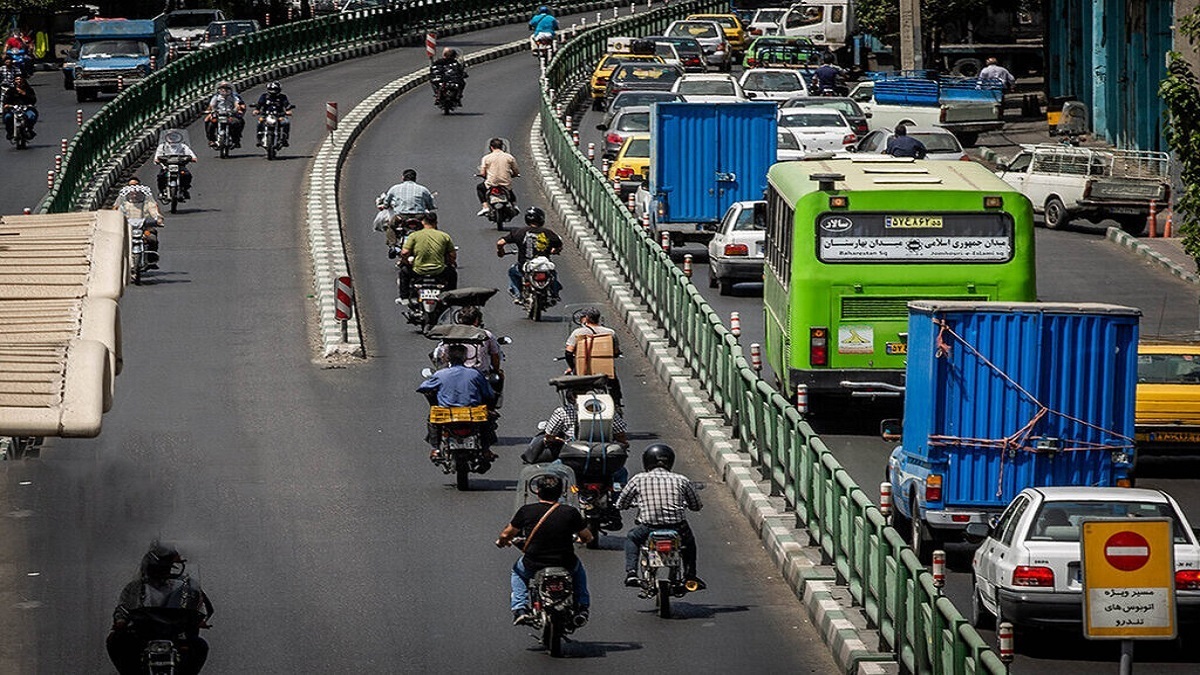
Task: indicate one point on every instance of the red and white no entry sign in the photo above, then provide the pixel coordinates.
(344, 299)
(1127, 551)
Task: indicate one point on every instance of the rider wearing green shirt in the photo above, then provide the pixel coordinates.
(433, 255)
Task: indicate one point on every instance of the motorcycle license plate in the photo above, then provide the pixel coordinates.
(464, 443)
(654, 559)
(430, 294)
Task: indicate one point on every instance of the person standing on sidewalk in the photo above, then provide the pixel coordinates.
(995, 71)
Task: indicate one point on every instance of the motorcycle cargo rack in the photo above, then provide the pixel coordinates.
(443, 415)
(454, 332)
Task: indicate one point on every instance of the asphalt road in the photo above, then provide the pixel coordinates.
(302, 493)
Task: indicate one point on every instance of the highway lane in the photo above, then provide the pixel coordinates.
(301, 492)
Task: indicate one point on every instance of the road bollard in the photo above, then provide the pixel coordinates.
(331, 116)
(120, 83)
(79, 118)
(633, 8)
(604, 165)
(939, 570)
(58, 163)
(664, 240)
(802, 399)
(735, 323)
(756, 357)
(616, 12)
(646, 221)
(591, 152)
(62, 146)
(1169, 227)
(27, 211)
(687, 265)
(267, 19)
(631, 202)
(617, 186)
(1152, 219)
(575, 138)
(569, 122)
(885, 500)
(597, 18)
(1004, 634)
(50, 180)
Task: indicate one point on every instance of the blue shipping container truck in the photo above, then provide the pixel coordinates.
(113, 53)
(1004, 396)
(704, 157)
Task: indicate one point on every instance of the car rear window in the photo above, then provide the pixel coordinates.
(935, 143)
(1063, 520)
(773, 80)
(694, 30)
(787, 141)
(635, 122)
(810, 120)
(706, 88)
(845, 106)
(1168, 368)
(646, 73)
(638, 147)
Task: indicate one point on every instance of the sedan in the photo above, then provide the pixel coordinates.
(818, 129)
(640, 97)
(1027, 569)
(691, 53)
(709, 88)
(632, 166)
(735, 253)
(773, 84)
(641, 77)
(628, 121)
(788, 147)
(939, 143)
(710, 36)
(849, 109)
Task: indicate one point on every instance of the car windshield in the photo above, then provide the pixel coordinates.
(771, 80)
(637, 148)
(936, 143)
(615, 60)
(1168, 368)
(787, 141)
(632, 98)
(114, 48)
(634, 122)
(1062, 520)
(693, 30)
(189, 20)
(707, 88)
(811, 120)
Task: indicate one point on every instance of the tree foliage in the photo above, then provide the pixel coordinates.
(1182, 131)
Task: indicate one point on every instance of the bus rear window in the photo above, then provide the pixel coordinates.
(914, 237)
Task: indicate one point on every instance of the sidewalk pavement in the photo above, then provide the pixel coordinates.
(1165, 252)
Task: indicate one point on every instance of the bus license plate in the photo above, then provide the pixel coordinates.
(896, 348)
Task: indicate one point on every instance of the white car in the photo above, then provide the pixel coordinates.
(711, 37)
(788, 148)
(766, 21)
(709, 88)
(818, 129)
(735, 253)
(1027, 570)
(773, 84)
(939, 143)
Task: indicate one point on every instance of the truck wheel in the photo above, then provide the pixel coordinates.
(83, 95)
(921, 538)
(1056, 214)
(1133, 225)
(967, 67)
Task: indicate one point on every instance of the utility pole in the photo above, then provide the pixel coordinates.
(910, 35)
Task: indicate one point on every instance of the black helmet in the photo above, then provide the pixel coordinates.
(160, 562)
(659, 454)
(535, 215)
(274, 88)
(548, 487)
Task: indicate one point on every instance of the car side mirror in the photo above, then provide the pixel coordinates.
(601, 127)
(867, 115)
(751, 94)
(976, 533)
(891, 430)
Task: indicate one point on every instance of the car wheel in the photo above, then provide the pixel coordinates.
(1055, 214)
(712, 277)
(977, 613)
(726, 286)
(921, 538)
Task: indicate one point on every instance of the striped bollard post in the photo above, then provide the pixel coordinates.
(1169, 226)
(79, 117)
(267, 19)
(756, 357)
(604, 165)
(1004, 635)
(646, 220)
(331, 116)
(582, 21)
(569, 122)
(62, 146)
(575, 138)
(289, 13)
(50, 180)
(57, 163)
(735, 324)
(664, 240)
(631, 202)
(120, 83)
(633, 8)
(597, 18)
(1152, 219)
(939, 570)
(430, 44)
(802, 399)
(885, 500)
(591, 152)
(687, 265)
(616, 12)
(617, 186)
(27, 211)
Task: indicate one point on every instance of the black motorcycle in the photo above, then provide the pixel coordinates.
(271, 137)
(21, 132)
(552, 598)
(448, 95)
(501, 206)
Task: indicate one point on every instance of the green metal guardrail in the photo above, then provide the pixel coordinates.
(896, 592)
(120, 127)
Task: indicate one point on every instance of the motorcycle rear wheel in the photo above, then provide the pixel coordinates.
(21, 140)
(224, 151)
(462, 471)
(594, 528)
(552, 635)
(662, 600)
(174, 200)
(535, 306)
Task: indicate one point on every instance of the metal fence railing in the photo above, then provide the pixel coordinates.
(123, 127)
(924, 629)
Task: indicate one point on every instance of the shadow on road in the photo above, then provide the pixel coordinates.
(593, 650)
(489, 485)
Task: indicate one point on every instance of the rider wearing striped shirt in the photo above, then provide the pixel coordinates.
(663, 499)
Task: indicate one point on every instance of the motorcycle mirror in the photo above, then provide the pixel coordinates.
(504, 340)
(541, 426)
(426, 372)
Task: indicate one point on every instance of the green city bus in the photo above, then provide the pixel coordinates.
(851, 241)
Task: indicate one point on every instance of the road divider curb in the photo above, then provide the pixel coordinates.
(849, 643)
(1126, 240)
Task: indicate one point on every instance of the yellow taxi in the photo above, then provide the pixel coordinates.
(1167, 415)
(632, 165)
(735, 32)
(604, 70)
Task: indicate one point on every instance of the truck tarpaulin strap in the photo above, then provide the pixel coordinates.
(1019, 439)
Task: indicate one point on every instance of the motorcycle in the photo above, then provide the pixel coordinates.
(424, 302)
(460, 434)
(174, 165)
(140, 256)
(660, 570)
(22, 60)
(501, 207)
(272, 133)
(448, 95)
(541, 45)
(552, 599)
(21, 135)
(471, 337)
(467, 296)
(224, 138)
(536, 292)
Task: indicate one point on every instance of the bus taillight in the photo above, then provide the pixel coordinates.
(818, 346)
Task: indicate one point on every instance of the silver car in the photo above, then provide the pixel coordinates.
(711, 37)
(626, 122)
(939, 143)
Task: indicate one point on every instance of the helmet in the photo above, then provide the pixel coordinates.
(543, 9)
(136, 197)
(160, 561)
(224, 84)
(548, 487)
(535, 215)
(658, 455)
(274, 88)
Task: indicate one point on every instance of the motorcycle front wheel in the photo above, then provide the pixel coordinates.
(174, 199)
(535, 306)
(662, 600)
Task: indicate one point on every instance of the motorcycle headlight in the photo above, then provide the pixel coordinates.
(270, 119)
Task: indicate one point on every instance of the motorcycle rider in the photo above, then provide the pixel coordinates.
(448, 69)
(173, 144)
(458, 386)
(8, 72)
(434, 255)
(139, 204)
(20, 93)
(274, 100)
(406, 200)
(663, 499)
(162, 603)
(532, 241)
(589, 330)
(543, 25)
(497, 169)
(484, 356)
(226, 99)
(550, 529)
(134, 185)
(827, 78)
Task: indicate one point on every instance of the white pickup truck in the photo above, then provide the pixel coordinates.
(1066, 182)
(966, 119)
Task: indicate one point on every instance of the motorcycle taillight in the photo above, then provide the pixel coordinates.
(664, 545)
(540, 276)
(555, 586)
(496, 191)
(462, 431)
(593, 487)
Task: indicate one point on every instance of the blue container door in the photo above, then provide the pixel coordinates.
(684, 158)
(746, 145)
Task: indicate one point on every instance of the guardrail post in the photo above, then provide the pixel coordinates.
(735, 324)
(687, 265)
